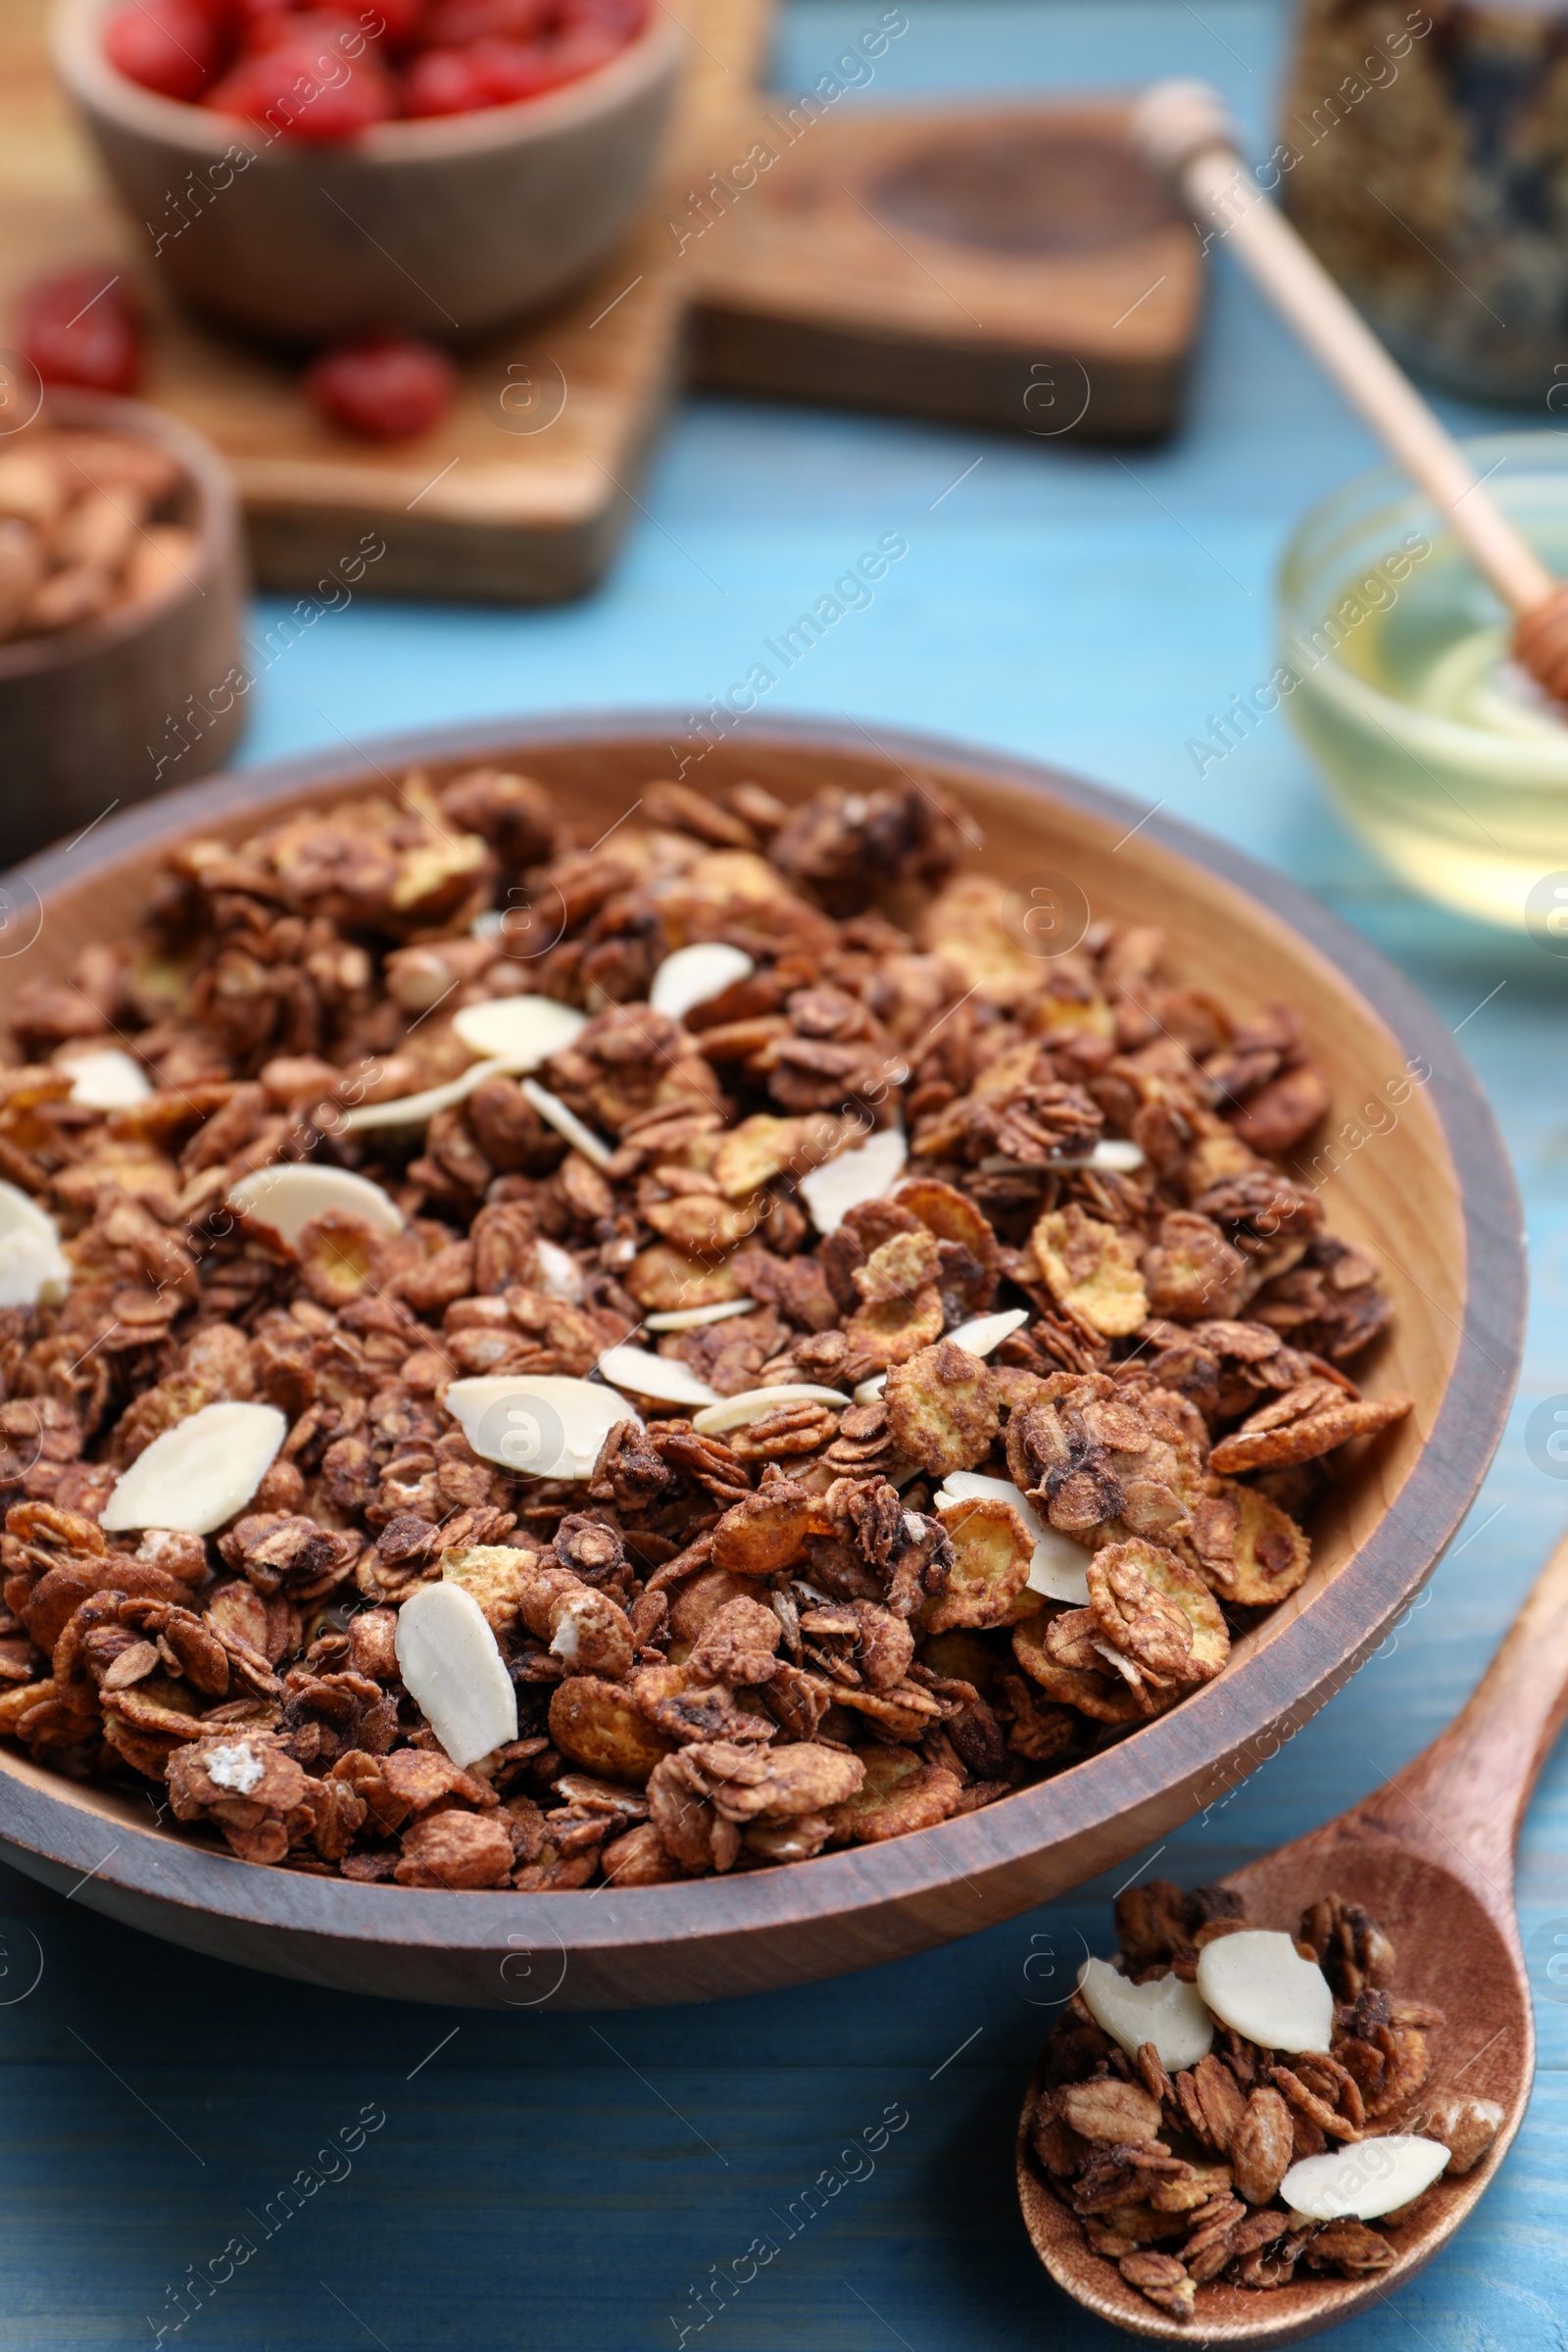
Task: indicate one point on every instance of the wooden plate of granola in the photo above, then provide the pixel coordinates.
(635, 1391)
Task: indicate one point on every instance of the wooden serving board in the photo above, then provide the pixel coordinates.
(1008, 267)
(518, 494)
(1011, 265)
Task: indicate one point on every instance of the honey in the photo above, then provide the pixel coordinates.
(1438, 749)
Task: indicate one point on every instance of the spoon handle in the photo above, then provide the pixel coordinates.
(1463, 1798)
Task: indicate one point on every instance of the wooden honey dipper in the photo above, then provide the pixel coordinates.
(1182, 132)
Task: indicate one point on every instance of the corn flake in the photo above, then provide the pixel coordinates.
(1091, 1270)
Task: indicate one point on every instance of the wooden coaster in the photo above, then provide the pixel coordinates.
(1010, 267)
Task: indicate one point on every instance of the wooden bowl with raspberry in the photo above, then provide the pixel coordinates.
(309, 172)
(536, 1595)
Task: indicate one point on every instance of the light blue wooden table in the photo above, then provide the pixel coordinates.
(568, 2183)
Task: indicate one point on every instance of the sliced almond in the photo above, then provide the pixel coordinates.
(416, 1110)
(866, 1173)
(34, 1270)
(1059, 1569)
(103, 1078)
(981, 1332)
(1258, 1982)
(560, 1275)
(1164, 2011)
(696, 974)
(286, 1199)
(870, 1391)
(540, 1425)
(662, 1377)
(198, 1474)
(1115, 1155)
(733, 1412)
(690, 1318)
(1375, 2176)
(451, 1667)
(513, 1034)
(556, 1115)
(521, 1031)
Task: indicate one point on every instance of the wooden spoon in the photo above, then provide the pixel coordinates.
(1429, 1855)
(1181, 130)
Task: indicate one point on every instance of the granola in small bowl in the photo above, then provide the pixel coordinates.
(534, 1360)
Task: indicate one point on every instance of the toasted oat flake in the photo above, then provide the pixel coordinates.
(451, 1667)
(1258, 1983)
(1165, 2011)
(1374, 2177)
(866, 1173)
(733, 1412)
(1059, 1569)
(565, 1121)
(519, 1032)
(285, 1200)
(106, 1079)
(663, 1377)
(200, 1473)
(694, 976)
(540, 1425)
(34, 1268)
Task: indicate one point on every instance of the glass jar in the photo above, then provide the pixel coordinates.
(1392, 665)
(1424, 155)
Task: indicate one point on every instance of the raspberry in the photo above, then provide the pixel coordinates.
(80, 327)
(306, 82)
(262, 23)
(383, 386)
(400, 24)
(623, 20)
(581, 49)
(442, 81)
(499, 73)
(292, 65)
(403, 22)
(455, 24)
(172, 46)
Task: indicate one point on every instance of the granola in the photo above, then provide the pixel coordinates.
(1195, 2153)
(528, 1359)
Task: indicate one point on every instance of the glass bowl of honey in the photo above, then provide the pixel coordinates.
(1392, 663)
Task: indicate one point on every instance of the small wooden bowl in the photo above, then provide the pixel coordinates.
(124, 706)
(446, 226)
(1431, 1195)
